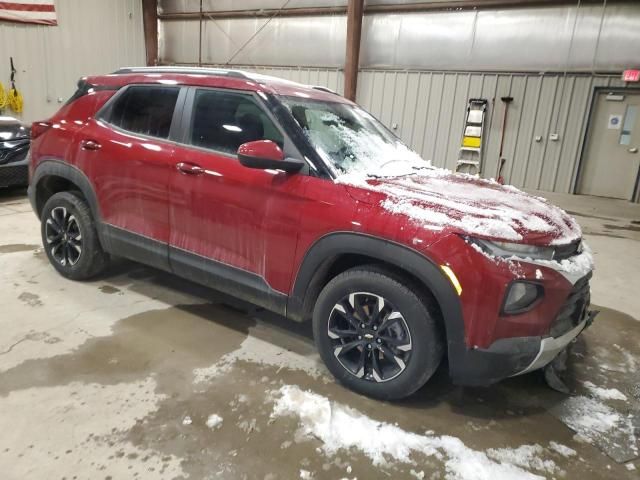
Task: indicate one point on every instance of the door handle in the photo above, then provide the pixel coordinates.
(633, 150)
(90, 145)
(189, 168)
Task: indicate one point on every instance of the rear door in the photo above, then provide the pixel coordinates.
(230, 222)
(128, 155)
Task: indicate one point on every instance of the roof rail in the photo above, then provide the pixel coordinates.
(324, 89)
(183, 70)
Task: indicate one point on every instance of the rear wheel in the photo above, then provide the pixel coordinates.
(377, 335)
(69, 237)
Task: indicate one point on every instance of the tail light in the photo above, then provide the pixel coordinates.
(38, 128)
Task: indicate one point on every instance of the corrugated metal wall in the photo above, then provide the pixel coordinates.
(427, 110)
(93, 36)
(550, 38)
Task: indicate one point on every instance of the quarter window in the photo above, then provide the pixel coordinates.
(145, 110)
(223, 121)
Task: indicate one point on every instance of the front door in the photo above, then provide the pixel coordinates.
(612, 158)
(232, 227)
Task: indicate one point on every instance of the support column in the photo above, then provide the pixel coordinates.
(355, 10)
(150, 25)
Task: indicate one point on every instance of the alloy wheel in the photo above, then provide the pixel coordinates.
(370, 337)
(63, 236)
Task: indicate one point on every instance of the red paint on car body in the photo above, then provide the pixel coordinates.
(263, 221)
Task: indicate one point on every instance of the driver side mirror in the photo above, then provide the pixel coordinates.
(267, 155)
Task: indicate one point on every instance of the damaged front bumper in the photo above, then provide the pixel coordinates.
(550, 347)
(510, 357)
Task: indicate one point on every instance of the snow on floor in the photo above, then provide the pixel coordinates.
(562, 449)
(72, 429)
(619, 360)
(600, 424)
(255, 350)
(630, 361)
(525, 456)
(605, 393)
(214, 421)
(339, 427)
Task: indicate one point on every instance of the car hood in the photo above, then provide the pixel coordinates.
(441, 200)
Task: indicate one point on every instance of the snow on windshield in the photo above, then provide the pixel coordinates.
(347, 138)
(358, 149)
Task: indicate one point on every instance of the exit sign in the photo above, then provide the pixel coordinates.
(631, 76)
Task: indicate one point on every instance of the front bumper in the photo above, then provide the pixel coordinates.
(15, 174)
(14, 163)
(550, 347)
(510, 357)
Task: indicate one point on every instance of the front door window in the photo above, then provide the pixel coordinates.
(222, 121)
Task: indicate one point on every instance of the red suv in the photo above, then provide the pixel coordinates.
(297, 200)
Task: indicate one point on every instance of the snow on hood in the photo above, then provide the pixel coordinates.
(436, 198)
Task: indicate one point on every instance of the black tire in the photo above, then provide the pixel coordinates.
(420, 319)
(67, 213)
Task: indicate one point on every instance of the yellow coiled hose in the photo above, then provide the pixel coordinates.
(15, 100)
(4, 98)
(12, 99)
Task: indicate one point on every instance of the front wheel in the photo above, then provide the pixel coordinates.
(377, 335)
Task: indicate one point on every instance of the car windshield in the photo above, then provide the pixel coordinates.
(349, 139)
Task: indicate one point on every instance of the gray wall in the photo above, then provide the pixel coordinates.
(428, 109)
(548, 38)
(92, 37)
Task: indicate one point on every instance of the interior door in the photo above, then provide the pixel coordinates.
(612, 159)
(230, 222)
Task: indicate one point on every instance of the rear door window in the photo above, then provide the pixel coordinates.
(144, 110)
(223, 121)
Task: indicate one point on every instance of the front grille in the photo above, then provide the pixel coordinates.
(14, 175)
(573, 309)
(562, 252)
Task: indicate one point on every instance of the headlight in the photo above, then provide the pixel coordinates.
(509, 249)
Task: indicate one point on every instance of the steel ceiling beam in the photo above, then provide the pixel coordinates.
(150, 26)
(370, 9)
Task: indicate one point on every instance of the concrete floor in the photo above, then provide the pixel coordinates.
(117, 378)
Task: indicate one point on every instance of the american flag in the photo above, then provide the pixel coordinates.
(42, 12)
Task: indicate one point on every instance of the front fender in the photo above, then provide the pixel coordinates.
(318, 259)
